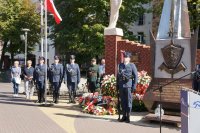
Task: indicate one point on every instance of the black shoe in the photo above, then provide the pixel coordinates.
(56, 102)
(127, 119)
(123, 119)
(38, 101)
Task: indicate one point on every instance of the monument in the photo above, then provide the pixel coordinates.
(114, 15)
(173, 57)
(111, 36)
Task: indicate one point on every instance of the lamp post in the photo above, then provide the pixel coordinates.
(25, 39)
(42, 26)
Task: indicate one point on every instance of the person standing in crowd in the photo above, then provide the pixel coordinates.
(28, 79)
(72, 78)
(102, 70)
(196, 79)
(93, 76)
(15, 77)
(127, 82)
(40, 79)
(56, 76)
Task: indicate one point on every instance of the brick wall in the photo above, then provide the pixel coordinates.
(113, 47)
(198, 56)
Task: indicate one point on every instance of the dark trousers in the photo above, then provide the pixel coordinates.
(72, 90)
(126, 100)
(56, 88)
(41, 91)
(196, 85)
(92, 86)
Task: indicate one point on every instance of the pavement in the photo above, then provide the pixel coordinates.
(18, 115)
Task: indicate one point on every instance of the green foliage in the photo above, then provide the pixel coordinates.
(194, 11)
(15, 15)
(81, 31)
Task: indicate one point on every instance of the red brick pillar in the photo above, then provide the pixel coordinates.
(111, 53)
(111, 38)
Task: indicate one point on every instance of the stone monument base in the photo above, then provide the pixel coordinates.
(113, 31)
(170, 95)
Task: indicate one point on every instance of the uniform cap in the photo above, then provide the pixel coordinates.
(41, 58)
(127, 54)
(56, 57)
(93, 59)
(72, 56)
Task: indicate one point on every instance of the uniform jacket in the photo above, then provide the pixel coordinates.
(56, 72)
(72, 73)
(127, 76)
(39, 73)
(93, 73)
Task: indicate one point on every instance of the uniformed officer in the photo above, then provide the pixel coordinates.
(56, 76)
(72, 78)
(196, 79)
(127, 81)
(40, 79)
(93, 78)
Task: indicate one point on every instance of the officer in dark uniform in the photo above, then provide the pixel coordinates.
(72, 78)
(93, 78)
(196, 79)
(56, 75)
(39, 76)
(127, 81)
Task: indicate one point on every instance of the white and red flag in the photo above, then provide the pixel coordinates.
(52, 9)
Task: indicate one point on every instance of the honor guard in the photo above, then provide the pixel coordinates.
(56, 76)
(93, 78)
(196, 79)
(127, 81)
(40, 79)
(72, 78)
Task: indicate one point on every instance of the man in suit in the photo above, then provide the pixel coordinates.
(72, 78)
(127, 82)
(56, 75)
(39, 76)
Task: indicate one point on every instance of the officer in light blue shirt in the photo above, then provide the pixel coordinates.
(72, 78)
(56, 76)
(127, 82)
(39, 75)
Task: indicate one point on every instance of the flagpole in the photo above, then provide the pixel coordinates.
(45, 51)
(42, 27)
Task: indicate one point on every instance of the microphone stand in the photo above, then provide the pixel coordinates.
(160, 88)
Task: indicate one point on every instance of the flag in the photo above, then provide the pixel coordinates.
(52, 9)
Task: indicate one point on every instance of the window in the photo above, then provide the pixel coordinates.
(141, 20)
(141, 37)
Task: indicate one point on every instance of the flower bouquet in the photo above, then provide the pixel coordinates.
(97, 104)
(143, 83)
(109, 86)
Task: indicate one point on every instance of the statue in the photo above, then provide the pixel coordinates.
(115, 6)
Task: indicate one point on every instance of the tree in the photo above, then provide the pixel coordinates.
(81, 31)
(15, 15)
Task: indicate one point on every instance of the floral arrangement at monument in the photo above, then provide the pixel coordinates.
(97, 104)
(109, 86)
(106, 103)
(143, 83)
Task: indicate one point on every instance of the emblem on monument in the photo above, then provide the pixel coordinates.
(172, 55)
